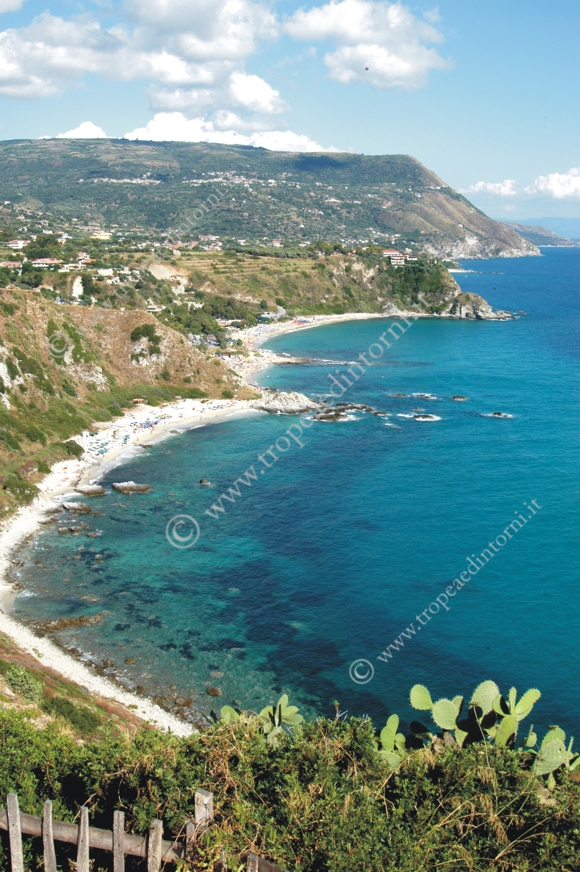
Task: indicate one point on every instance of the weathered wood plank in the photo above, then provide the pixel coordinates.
(119, 841)
(101, 840)
(154, 846)
(190, 830)
(203, 808)
(48, 839)
(14, 833)
(258, 864)
(83, 842)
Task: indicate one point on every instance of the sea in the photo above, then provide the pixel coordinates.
(337, 545)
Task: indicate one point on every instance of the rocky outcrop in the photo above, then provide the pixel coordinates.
(478, 247)
(284, 403)
(77, 508)
(473, 307)
(131, 487)
(91, 490)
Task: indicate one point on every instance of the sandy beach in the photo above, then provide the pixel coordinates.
(107, 447)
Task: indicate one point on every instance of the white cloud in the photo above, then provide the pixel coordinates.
(179, 47)
(86, 130)
(379, 42)
(165, 126)
(507, 188)
(10, 5)
(560, 186)
(254, 93)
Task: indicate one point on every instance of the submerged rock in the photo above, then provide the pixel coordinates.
(131, 487)
(214, 691)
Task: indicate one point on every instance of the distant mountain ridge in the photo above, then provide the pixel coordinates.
(567, 227)
(539, 235)
(257, 194)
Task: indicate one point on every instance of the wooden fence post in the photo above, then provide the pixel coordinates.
(48, 838)
(83, 842)
(203, 809)
(119, 841)
(252, 863)
(189, 839)
(14, 833)
(154, 846)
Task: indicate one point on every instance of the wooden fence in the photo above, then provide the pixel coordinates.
(151, 847)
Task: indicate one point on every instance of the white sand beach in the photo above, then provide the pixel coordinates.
(105, 447)
(108, 447)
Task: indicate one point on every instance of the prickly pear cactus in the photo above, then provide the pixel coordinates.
(393, 744)
(275, 716)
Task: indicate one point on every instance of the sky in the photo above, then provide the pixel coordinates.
(483, 92)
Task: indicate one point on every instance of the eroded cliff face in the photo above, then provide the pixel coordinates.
(474, 308)
(479, 247)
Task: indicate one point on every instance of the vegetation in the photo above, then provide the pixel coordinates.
(313, 796)
(67, 368)
(257, 194)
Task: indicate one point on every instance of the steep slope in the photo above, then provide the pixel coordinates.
(538, 235)
(234, 191)
(64, 367)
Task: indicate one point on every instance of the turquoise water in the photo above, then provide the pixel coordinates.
(334, 549)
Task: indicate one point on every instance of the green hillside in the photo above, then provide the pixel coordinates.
(250, 193)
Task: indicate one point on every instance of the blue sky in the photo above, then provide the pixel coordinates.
(483, 93)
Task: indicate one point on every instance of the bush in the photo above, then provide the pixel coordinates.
(227, 394)
(73, 448)
(81, 718)
(145, 330)
(24, 683)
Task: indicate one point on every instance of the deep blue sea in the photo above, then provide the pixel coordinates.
(337, 546)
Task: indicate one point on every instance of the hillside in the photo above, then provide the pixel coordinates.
(64, 367)
(539, 235)
(238, 191)
(332, 795)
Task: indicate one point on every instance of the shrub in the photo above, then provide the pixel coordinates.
(82, 719)
(24, 683)
(71, 447)
(145, 330)
(227, 394)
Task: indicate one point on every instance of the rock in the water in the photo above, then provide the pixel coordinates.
(131, 487)
(78, 508)
(91, 490)
(214, 691)
(284, 402)
(459, 398)
(474, 307)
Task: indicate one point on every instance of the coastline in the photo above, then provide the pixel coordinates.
(110, 446)
(107, 447)
(61, 481)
